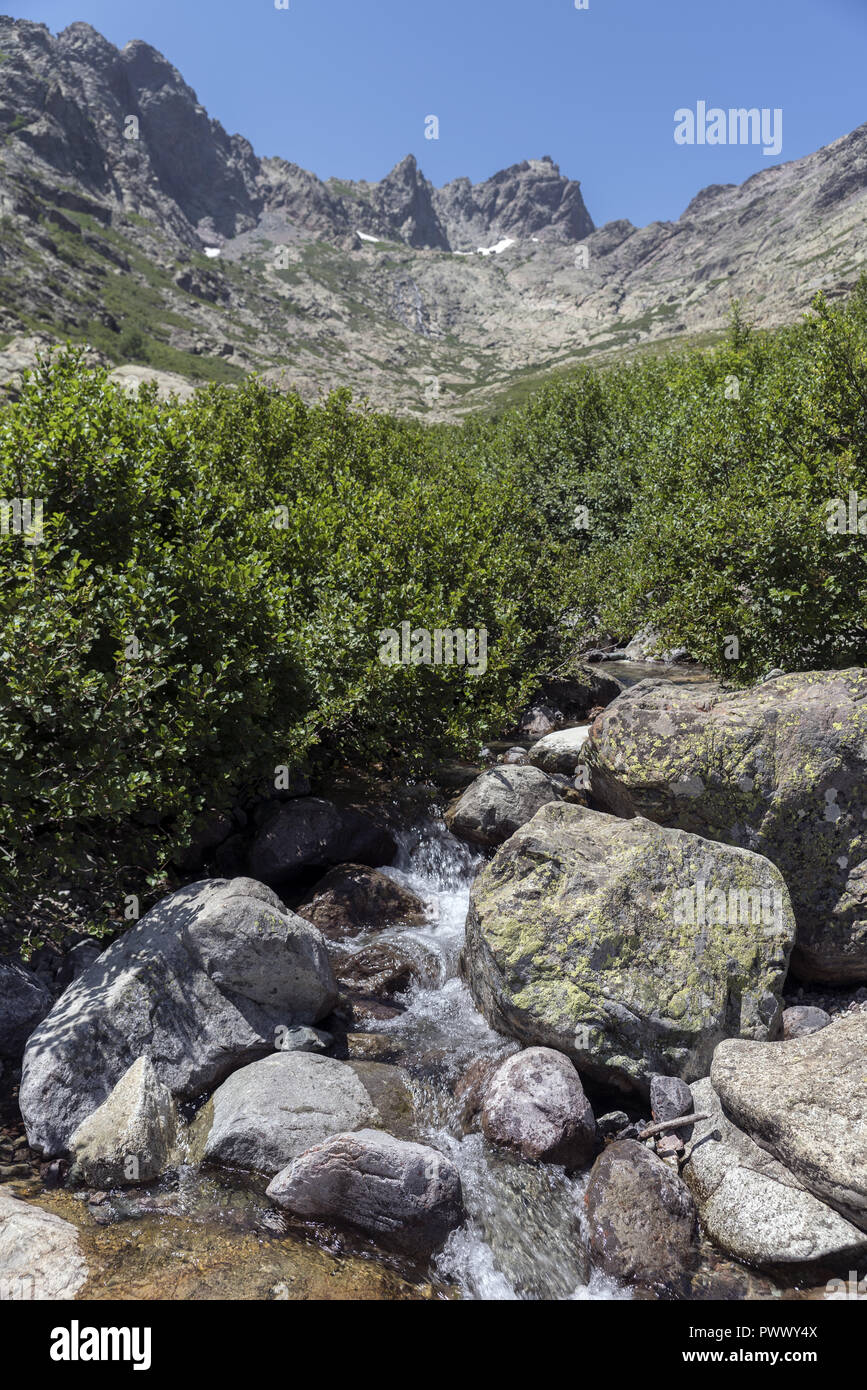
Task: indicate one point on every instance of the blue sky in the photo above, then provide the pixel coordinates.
(343, 87)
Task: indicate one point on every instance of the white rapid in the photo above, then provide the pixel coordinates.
(524, 1237)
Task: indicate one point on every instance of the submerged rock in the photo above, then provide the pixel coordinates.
(129, 1138)
(641, 1218)
(754, 1208)
(201, 985)
(499, 802)
(385, 968)
(780, 769)
(271, 1111)
(805, 1101)
(578, 938)
(534, 1104)
(40, 1255)
(404, 1194)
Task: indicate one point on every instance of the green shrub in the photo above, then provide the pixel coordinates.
(206, 602)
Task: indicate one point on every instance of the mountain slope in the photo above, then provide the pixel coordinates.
(133, 220)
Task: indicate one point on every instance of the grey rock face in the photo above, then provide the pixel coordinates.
(271, 1111)
(309, 832)
(24, 1002)
(403, 1194)
(535, 1104)
(641, 1218)
(40, 1254)
(499, 802)
(129, 1138)
(753, 1207)
(578, 938)
(780, 769)
(805, 1101)
(201, 985)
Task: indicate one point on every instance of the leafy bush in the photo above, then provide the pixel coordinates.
(206, 600)
(709, 479)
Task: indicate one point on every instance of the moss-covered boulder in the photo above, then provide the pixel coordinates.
(780, 769)
(632, 948)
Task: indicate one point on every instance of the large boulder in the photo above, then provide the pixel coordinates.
(402, 1194)
(40, 1255)
(24, 1002)
(201, 985)
(130, 1137)
(309, 833)
(641, 1219)
(352, 899)
(805, 1101)
(780, 769)
(496, 804)
(755, 1209)
(534, 1104)
(271, 1111)
(579, 938)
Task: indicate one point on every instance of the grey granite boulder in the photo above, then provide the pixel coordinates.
(130, 1137)
(496, 804)
(308, 833)
(40, 1253)
(805, 1102)
(560, 751)
(24, 1002)
(641, 1218)
(593, 935)
(270, 1111)
(669, 1098)
(754, 1208)
(402, 1194)
(201, 985)
(802, 1019)
(780, 769)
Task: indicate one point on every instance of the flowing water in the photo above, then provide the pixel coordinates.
(524, 1234)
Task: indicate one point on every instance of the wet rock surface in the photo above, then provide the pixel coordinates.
(352, 899)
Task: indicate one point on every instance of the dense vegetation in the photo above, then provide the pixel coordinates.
(206, 599)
